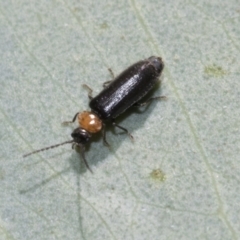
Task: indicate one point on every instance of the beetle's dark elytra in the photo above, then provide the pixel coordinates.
(127, 89)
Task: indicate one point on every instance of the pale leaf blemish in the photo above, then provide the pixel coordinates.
(214, 71)
(158, 175)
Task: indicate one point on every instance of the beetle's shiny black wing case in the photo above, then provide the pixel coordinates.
(126, 89)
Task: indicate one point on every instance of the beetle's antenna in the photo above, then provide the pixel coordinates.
(47, 148)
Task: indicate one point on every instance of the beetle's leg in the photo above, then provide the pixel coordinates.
(122, 128)
(73, 145)
(111, 72)
(89, 91)
(74, 118)
(138, 104)
(105, 84)
(82, 151)
(104, 137)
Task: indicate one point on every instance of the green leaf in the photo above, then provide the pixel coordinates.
(179, 179)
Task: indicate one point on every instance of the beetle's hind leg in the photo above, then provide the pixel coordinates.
(111, 73)
(122, 128)
(149, 101)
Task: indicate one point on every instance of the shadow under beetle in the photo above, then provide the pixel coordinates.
(117, 96)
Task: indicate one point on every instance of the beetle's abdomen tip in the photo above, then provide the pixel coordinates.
(157, 62)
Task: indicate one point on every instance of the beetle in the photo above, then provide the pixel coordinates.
(118, 95)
